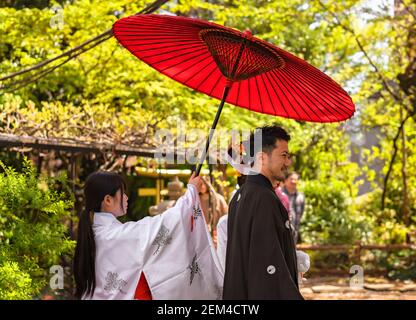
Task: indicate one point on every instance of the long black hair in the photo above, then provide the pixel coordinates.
(97, 186)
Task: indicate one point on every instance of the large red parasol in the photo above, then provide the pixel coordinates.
(235, 67)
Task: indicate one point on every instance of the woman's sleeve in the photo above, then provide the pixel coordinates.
(150, 230)
(178, 255)
(222, 240)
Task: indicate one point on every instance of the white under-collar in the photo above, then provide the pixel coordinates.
(244, 169)
(104, 218)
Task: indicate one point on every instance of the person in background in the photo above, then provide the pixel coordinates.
(282, 196)
(213, 206)
(296, 202)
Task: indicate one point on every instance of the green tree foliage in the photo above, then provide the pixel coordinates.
(369, 51)
(32, 234)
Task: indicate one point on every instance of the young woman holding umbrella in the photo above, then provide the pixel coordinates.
(158, 257)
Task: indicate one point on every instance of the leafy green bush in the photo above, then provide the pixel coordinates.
(332, 218)
(328, 217)
(32, 230)
(387, 226)
(15, 282)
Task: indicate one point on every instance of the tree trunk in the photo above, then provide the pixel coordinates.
(405, 203)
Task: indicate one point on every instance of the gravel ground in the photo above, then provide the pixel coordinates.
(338, 288)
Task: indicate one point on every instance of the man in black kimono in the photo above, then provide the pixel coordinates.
(261, 255)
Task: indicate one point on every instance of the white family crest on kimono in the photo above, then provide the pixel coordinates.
(113, 283)
(174, 250)
(194, 267)
(163, 238)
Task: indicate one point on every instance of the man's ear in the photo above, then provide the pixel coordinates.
(262, 157)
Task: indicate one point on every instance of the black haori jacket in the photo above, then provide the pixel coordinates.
(261, 255)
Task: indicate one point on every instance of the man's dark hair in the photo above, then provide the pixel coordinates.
(269, 136)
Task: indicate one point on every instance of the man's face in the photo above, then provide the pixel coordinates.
(278, 161)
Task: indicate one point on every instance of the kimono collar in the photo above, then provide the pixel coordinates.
(261, 180)
(104, 218)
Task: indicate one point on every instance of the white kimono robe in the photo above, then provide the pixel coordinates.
(222, 239)
(173, 249)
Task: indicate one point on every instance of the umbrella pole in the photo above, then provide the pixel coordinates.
(217, 116)
(211, 132)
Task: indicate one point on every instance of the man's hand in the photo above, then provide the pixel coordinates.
(196, 181)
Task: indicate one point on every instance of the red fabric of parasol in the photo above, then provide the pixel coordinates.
(235, 67)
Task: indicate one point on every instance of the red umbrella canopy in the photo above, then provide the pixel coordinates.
(208, 57)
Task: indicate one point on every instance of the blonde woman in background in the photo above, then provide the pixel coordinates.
(213, 206)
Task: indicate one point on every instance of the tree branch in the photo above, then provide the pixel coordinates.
(362, 49)
(72, 53)
(393, 158)
(28, 80)
(406, 7)
(65, 54)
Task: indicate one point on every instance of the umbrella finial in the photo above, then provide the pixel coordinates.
(247, 33)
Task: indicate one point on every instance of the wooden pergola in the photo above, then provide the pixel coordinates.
(74, 145)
